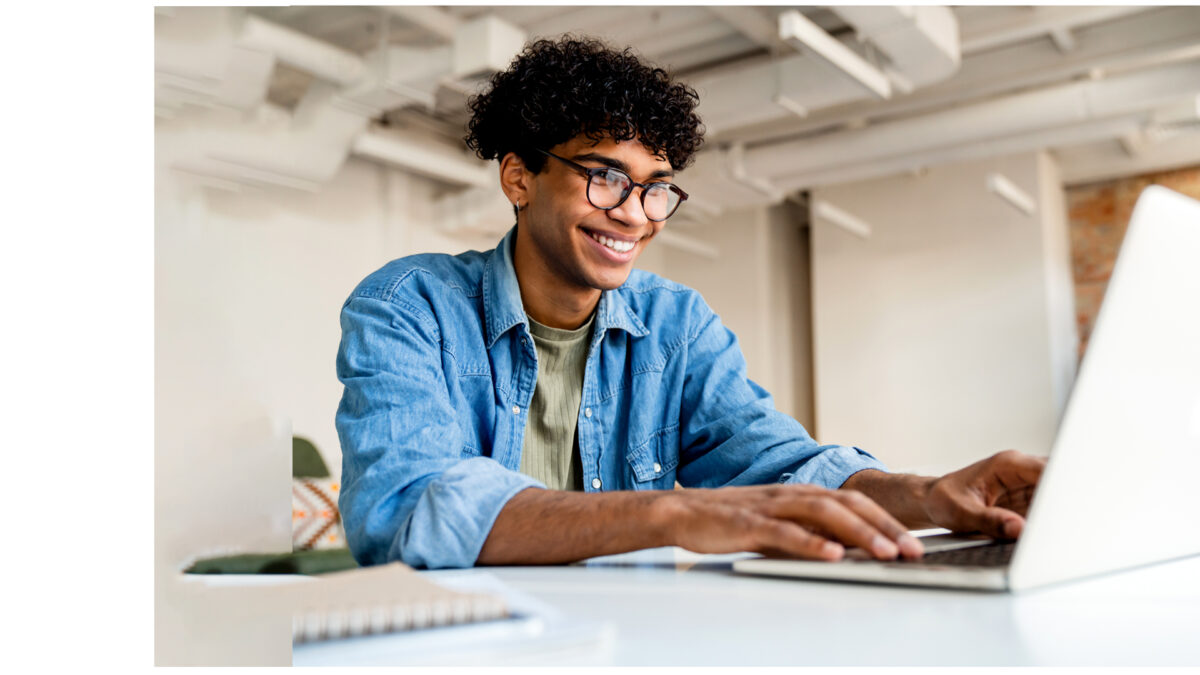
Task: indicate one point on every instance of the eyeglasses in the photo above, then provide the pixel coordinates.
(608, 188)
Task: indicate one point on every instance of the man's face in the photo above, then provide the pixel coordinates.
(577, 243)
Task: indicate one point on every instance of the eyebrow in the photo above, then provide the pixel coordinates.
(618, 164)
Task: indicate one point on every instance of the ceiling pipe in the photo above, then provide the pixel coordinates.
(197, 63)
(1146, 40)
(1053, 107)
(1090, 164)
(1039, 140)
(423, 156)
(1036, 22)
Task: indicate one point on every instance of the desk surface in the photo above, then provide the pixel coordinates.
(672, 607)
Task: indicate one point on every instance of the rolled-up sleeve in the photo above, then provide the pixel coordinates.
(408, 493)
(731, 433)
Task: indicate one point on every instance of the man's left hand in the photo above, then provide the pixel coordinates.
(991, 496)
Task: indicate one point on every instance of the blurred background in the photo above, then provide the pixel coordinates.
(908, 215)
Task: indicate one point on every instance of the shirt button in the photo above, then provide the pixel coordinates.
(587, 412)
(596, 483)
(516, 410)
(657, 468)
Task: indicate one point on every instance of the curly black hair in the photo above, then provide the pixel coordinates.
(557, 90)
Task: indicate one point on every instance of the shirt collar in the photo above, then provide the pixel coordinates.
(502, 299)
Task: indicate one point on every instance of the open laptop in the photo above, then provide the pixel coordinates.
(1118, 490)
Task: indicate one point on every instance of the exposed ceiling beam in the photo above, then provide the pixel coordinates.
(751, 22)
(1095, 163)
(1090, 132)
(432, 19)
(1162, 36)
(798, 31)
(1059, 107)
(1025, 24)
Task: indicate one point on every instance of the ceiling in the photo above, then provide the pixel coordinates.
(1112, 80)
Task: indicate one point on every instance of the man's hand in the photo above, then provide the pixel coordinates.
(991, 496)
(871, 510)
(798, 520)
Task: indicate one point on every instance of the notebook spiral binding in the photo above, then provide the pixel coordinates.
(313, 625)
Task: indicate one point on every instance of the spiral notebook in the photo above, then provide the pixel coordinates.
(381, 599)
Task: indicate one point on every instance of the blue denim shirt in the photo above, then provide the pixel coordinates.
(439, 369)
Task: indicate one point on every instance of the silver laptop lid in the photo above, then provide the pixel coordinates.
(1119, 488)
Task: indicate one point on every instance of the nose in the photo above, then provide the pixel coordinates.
(630, 213)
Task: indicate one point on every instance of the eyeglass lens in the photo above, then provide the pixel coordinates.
(610, 188)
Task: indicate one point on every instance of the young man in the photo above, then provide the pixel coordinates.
(537, 403)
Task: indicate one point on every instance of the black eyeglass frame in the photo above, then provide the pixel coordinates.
(592, 172)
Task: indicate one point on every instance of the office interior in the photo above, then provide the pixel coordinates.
(906, 214)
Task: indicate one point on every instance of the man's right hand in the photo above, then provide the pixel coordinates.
(796, 520)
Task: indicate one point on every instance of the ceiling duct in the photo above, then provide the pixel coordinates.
(921, 41)
(921, 44)
(753, 95)
(798, 31)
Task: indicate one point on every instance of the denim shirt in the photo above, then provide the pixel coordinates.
(439, 368)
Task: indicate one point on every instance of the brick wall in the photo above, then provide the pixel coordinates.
(1099, 214)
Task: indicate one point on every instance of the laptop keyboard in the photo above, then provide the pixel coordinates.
(994, 554)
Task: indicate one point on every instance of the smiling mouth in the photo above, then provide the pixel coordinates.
(613, 244)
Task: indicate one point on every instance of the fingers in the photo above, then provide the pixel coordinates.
(875, 515)
(851, 518)
(774, 536)
(1016, 469)
(1000, 523)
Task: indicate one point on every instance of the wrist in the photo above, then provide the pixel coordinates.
(664, 513)
(905, 496)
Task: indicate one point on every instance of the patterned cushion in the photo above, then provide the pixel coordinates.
(316, 523)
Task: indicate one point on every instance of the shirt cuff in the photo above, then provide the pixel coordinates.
(456, 512)
(833, 466)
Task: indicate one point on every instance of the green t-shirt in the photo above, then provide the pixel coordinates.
(550, 452)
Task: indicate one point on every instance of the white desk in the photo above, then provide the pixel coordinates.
(671, 607)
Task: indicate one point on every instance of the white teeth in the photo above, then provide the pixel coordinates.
(618, 246)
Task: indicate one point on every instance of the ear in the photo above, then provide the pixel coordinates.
(516, 180)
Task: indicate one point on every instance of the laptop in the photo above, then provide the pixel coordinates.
(1118, 489)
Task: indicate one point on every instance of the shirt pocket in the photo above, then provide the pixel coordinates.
(652, 464)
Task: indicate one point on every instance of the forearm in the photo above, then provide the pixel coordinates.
(539, 527)
(900, 494)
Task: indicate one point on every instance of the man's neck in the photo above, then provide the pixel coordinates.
(551, 307)
(548, 299)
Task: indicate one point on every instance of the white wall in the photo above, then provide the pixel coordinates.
(248, 287)
(946, 335)
(759, 288)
